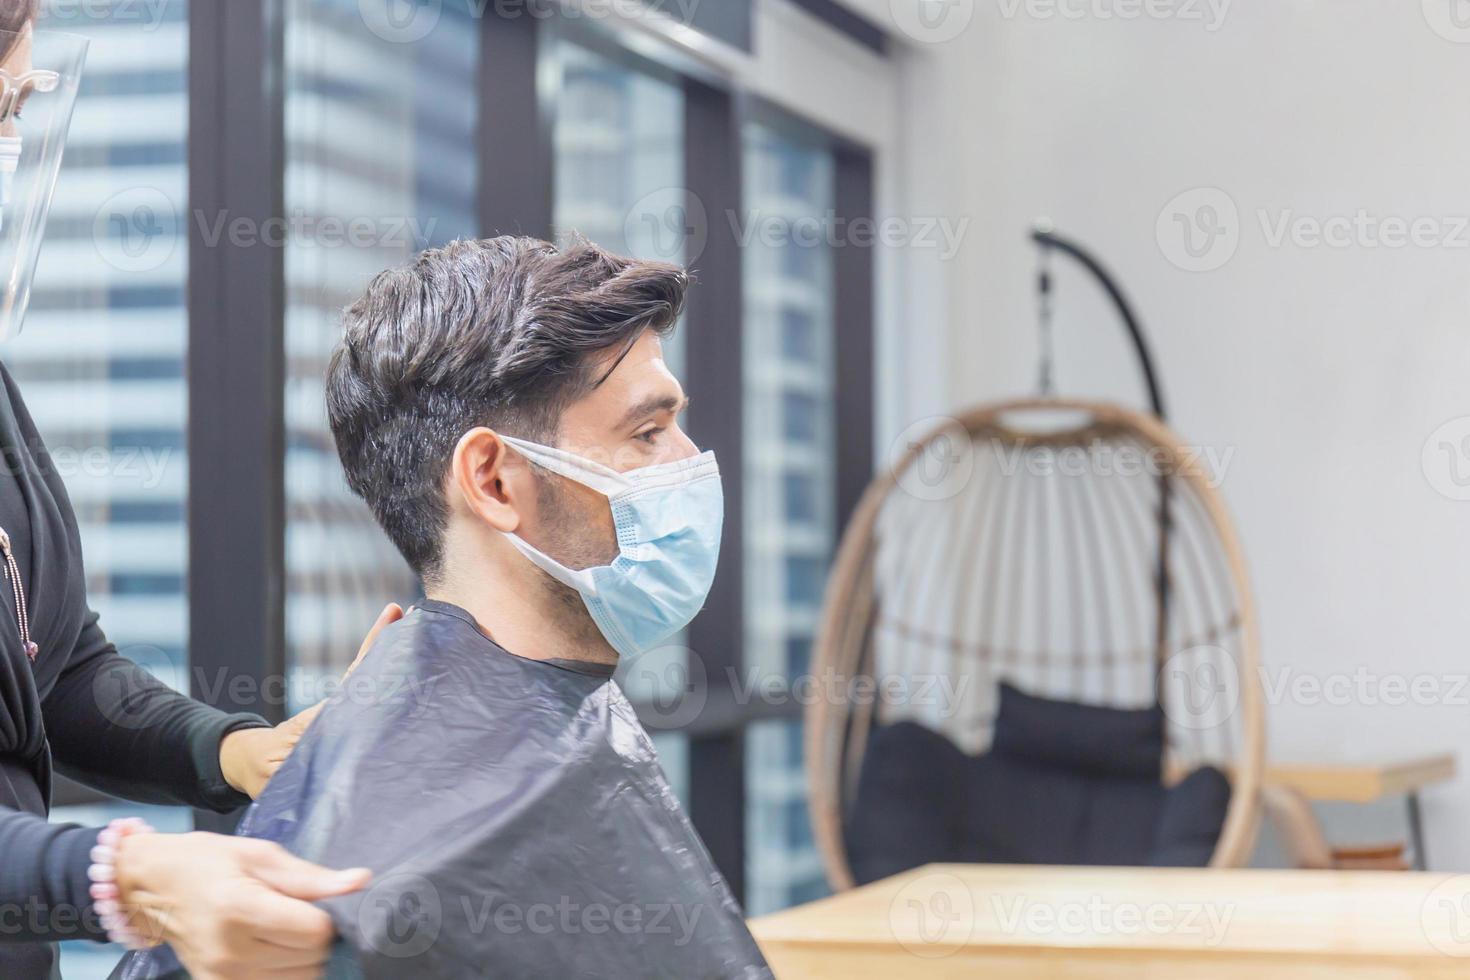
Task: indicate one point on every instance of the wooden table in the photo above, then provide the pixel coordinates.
(1291, 788)
(1364, 782)
(997, 921)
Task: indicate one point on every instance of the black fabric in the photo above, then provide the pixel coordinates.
(920, 799)
(911, 802)
(488, 793)
(1023, 813)
(106, 721)
(1094, 739)
(1189, 826)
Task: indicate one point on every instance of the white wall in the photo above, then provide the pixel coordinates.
(1325, 369)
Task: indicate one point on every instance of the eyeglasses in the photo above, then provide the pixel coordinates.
(16, 89)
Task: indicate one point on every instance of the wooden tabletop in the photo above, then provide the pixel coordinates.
(998, 921)
(1363, 782)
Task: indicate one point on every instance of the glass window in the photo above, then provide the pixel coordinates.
(805, 575)
(101, 359)
(619, 169)
(802, 505)
(802, 415)
(798, 335)
(783, 867)
(380, 137)
(798, 655)
(619, 146)
(618, 138)
(789, 481)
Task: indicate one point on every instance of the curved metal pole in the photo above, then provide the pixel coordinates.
(1044, 236)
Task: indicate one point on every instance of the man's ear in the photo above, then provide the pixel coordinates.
(488, 477)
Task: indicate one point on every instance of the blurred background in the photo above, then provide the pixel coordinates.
(1279, 187)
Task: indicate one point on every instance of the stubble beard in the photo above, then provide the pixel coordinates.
(567, 542)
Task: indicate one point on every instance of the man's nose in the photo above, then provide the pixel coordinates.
(684, 446)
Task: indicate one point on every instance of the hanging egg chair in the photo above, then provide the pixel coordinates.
(1041, 628)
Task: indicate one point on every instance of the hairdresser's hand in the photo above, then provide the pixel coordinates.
(250, 757)
(230, 907)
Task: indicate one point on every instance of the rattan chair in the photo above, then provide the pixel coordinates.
(1077, 550)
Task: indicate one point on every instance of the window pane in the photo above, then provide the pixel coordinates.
(101, 360)
(619, 144)
(380, 146)
(618, 139)
(789, 485)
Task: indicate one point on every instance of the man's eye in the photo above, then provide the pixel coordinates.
(650, 435)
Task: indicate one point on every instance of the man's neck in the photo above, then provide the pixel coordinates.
(529, 615)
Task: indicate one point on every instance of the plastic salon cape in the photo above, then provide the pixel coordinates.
(514, 816)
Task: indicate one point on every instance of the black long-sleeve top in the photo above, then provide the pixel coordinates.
(97, 716)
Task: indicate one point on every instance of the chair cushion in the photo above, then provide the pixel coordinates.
(1018, 812)
(1100, 741)
(910, 802)
(1190, 822)
(1042, 795)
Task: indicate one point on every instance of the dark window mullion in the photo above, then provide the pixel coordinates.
(236, 425)
(712, 167)
(853, 276)
(516, 158)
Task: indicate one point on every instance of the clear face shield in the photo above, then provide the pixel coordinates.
(39, 75)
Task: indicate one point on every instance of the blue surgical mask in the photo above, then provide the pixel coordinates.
(668, 519)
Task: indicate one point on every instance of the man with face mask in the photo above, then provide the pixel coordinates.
(230, 907)
(505, 409)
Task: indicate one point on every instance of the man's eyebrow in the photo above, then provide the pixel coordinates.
(653, 405)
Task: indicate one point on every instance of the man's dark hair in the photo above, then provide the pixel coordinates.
(504, 332)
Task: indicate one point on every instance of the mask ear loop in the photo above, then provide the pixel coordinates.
(603, 479)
